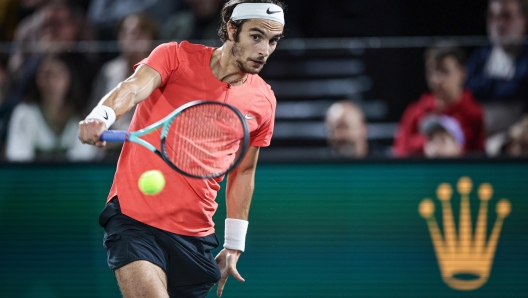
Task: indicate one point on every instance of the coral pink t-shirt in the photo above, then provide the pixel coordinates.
(186, 205)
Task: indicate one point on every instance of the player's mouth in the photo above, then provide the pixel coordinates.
(257, 63)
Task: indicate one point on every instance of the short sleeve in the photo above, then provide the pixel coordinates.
(262, 136)
(164, 59)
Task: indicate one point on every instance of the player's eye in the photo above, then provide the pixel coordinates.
(274, 41)
(255, 37)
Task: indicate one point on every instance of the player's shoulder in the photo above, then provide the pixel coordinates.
(183, 46)
(169, 46)
(190, 52)
(193, 47)
(264, 89)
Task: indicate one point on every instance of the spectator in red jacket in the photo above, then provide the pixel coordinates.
(445, 74)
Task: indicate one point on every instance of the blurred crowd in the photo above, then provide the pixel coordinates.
(53, 76)
(474, 107)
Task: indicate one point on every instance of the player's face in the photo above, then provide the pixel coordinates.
(445, 77)
(258, 38)
(506, 23)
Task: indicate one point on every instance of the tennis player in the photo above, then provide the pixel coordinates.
(159, 246)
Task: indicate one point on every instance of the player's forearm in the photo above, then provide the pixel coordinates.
(240, 185)
(122, 99)
(239, 193)
(132, 91)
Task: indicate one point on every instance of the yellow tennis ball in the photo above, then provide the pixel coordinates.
(151, 182)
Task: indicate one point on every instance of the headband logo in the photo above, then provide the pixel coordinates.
(272, 12)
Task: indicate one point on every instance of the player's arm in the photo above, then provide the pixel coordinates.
(118, 102)
(239, 190)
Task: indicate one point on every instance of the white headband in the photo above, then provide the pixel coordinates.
(267, 11)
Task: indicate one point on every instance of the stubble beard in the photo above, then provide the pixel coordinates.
(236, 53)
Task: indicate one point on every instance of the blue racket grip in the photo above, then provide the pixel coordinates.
(114, 136)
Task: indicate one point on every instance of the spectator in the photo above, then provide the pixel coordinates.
(57, 28)
(199, 21)
(445, 74)
(347, 132)
(53, 29)
(445, 138)
(137, 34)
(518, 139)
(105, 14)
(45, 126)
(498, 74)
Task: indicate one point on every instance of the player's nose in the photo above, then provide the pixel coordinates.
(265, 50)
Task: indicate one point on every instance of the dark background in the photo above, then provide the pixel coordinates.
(397, 73)
(342, 18)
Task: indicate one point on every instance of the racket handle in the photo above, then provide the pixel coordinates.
(114, 136)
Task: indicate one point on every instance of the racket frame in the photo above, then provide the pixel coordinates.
(167, 121)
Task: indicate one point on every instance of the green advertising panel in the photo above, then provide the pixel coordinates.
(395, 229)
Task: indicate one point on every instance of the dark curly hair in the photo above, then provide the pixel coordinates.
(227, 11)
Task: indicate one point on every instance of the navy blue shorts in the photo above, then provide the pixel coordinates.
(190, 267)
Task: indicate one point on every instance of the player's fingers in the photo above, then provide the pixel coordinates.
(237, 275)
(90, 132)
(220, 289)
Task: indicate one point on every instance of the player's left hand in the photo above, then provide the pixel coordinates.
(227, 260)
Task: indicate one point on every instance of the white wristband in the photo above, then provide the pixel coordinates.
(235, 234)
(103, 113)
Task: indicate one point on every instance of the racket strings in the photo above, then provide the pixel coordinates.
(203, 139)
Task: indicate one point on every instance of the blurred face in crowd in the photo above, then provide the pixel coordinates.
(518, 134)
(442, 144)
(59, 30)
(346, 130)
(53, 81)
(506, 22)
(519, 147)
(134, 37)
(445, 78)
(257, 40)
(59, 25)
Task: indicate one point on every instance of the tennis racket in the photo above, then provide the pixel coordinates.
(201, 139)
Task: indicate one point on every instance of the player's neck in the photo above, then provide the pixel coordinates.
(224, 67)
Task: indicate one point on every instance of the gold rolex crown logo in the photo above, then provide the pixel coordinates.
(468, 253)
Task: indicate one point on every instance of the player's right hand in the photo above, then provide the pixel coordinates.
(227, 260)
(90, 132)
